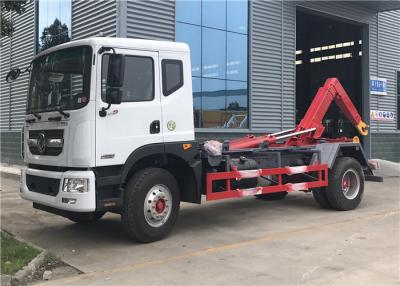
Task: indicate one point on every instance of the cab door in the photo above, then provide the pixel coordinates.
(137, 120)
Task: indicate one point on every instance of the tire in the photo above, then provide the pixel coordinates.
(346, 184)
(272, 196)
(151, 205)
(85, 217)
(320, 197)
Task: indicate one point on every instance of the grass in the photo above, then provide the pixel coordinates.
(15, 254)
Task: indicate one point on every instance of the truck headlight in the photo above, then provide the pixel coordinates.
(76, 185)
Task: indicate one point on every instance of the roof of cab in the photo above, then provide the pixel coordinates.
(138, 44)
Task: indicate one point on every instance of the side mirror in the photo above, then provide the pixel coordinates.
(116, 70)
(13, 75)
(113, 95)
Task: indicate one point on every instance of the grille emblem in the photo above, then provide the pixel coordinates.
(41, 142)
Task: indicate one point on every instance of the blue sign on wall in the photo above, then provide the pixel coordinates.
(378, 86)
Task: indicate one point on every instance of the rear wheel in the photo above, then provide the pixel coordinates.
(346, 184)
(272, 196)
(151, 205)
(85, 217)
(320, 197)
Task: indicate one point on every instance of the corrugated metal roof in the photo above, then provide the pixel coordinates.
(150, 19)
(378, 6)
(16, 51)
(89, 18)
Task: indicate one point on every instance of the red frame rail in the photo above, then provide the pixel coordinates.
(322, 181)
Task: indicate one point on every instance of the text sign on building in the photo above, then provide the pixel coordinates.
(382, 115)
(378, 86)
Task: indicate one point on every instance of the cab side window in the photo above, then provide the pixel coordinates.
(172, 76)
(138, 82)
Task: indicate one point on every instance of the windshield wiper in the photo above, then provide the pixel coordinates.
(66, 115)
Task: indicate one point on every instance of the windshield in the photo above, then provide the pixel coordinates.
(61, 80)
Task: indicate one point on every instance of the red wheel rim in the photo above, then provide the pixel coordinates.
(345, 183)
(160, 206)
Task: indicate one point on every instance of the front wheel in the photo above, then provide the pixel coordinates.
(151, 205)
(346, 184)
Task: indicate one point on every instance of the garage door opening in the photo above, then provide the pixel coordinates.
(328, 47)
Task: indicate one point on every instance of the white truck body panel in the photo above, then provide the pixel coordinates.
(183, 119)
(79, 141)
(127, 125)
(84, 202)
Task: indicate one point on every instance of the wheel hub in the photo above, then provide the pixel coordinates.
(350, 184)
(160, 206)
(345, 183)
(157, 205)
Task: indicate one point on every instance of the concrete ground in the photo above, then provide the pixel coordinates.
(236, 242)
(385, 168)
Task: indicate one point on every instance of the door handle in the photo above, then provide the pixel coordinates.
(155, 127)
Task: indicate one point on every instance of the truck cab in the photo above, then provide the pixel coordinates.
(95, 108)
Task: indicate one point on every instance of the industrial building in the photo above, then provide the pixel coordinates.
(256, 65)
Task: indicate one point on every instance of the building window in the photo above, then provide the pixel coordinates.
(53, 23)
(217, 34)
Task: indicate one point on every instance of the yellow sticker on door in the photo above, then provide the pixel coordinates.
(171, 125)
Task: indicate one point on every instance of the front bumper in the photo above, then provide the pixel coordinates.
(83, 202)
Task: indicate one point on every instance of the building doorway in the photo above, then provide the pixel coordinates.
(328, 46)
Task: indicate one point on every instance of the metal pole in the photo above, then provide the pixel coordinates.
(295, 133)
(282, 132)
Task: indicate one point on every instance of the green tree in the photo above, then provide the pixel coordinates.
(53, 35)
(8, 7)
(234, 106)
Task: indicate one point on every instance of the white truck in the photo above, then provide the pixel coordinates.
(109, 127)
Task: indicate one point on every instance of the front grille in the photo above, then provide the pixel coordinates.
(55, 168)
(43, 185)
(50, 134)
